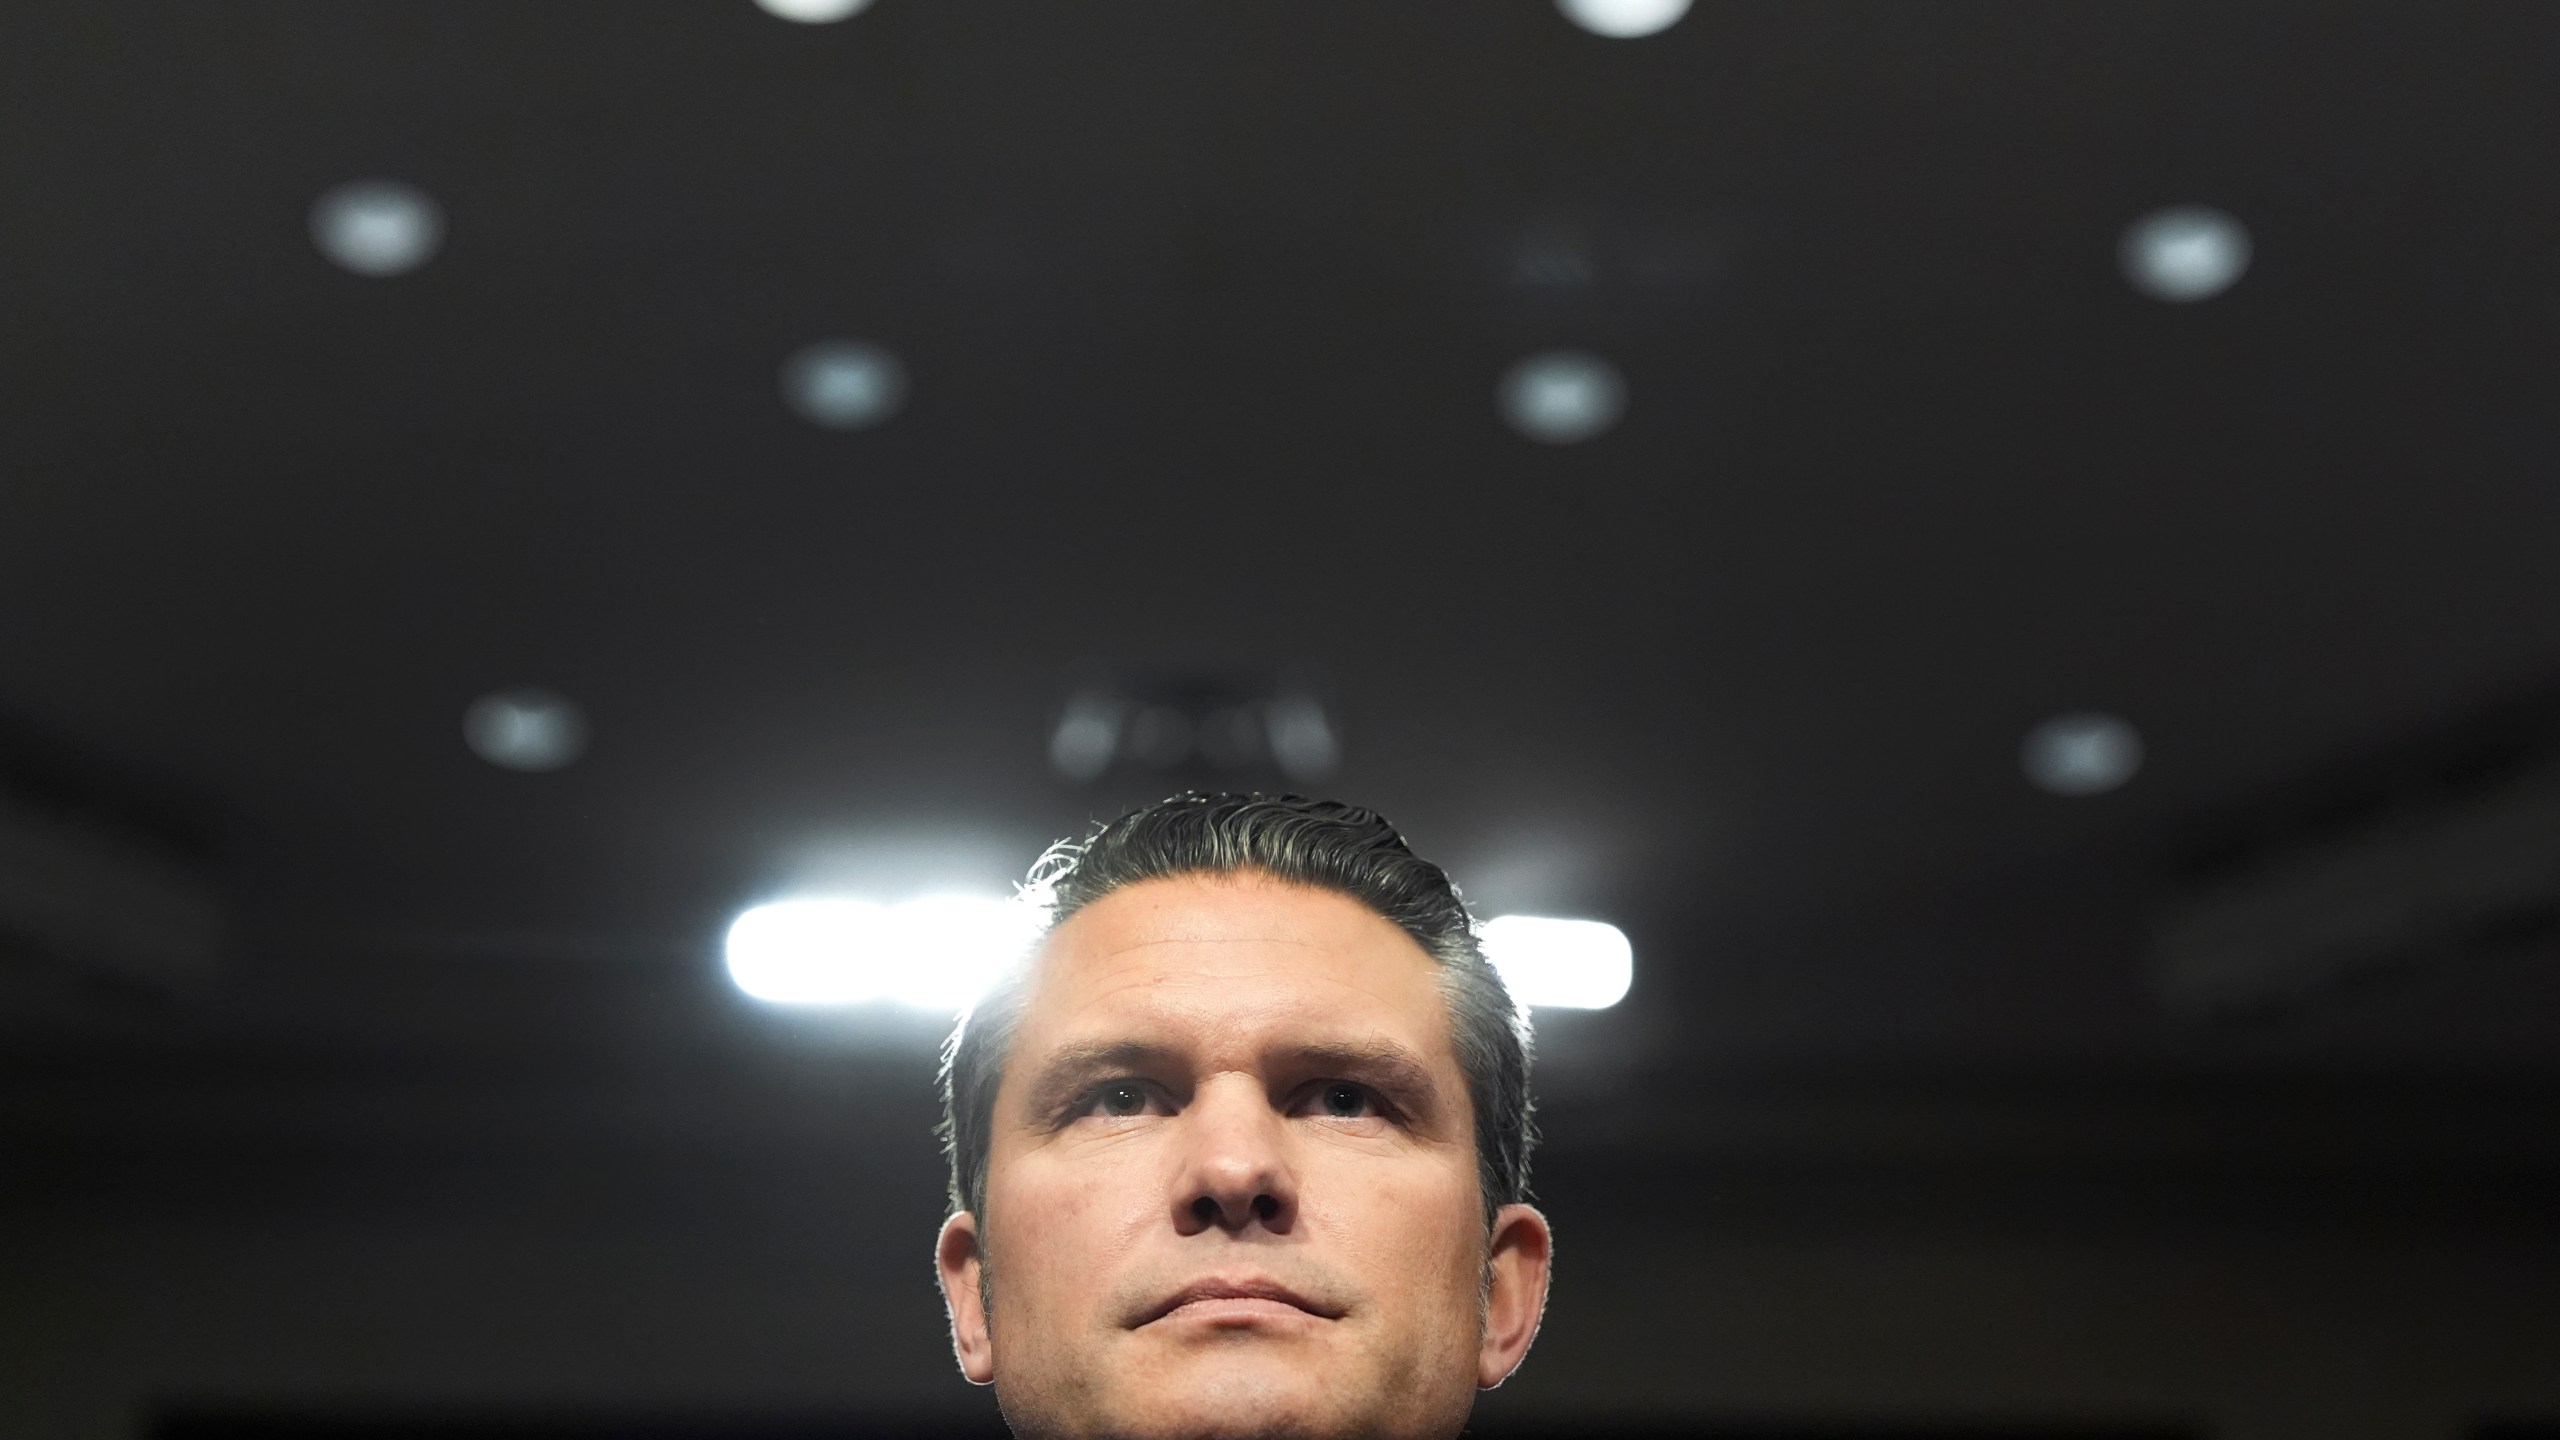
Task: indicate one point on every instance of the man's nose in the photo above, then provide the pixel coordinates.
(1237, 1172)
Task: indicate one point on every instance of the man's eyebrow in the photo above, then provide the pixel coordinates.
(1391, 1068)
(1067, 1071)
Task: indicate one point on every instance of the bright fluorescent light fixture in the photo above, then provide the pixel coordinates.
(936, 954)
(1560, 964)
(941, 954)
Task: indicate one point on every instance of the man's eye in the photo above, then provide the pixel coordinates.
(1345, 1101)
(1119, 1099)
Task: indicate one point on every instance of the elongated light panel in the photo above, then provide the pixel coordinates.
(940, 954)
(1560, 964)
(935, 954)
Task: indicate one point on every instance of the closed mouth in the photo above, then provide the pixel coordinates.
(1249, 1289)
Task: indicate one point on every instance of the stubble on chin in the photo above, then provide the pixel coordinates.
(1239, 1405)
(1191, 1422)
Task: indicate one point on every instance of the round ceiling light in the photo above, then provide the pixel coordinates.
(2083, 754)
(377, 227)
(1624, 19)
(2184, 253)
(1562, 396)
(844, 384)
(526, 728)
(812, 12)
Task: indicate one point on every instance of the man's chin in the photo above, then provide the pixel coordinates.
(1239, 1384)
(1195, 1417)
(1244, 1391)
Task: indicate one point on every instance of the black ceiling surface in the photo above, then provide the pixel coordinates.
(1204, 309)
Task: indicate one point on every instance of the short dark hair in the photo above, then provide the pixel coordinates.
(1320, 843)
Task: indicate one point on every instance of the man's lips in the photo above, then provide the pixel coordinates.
(1252, 1288)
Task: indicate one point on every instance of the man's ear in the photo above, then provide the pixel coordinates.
(1515, 1291)
(960, 1263)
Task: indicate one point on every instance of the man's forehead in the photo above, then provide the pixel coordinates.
(1228, 950)
(1242, 907)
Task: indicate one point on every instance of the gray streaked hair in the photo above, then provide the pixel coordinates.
(1324, 844)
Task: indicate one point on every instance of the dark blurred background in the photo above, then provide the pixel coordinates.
(2013, 548)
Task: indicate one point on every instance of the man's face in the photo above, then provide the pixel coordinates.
(1232, 1184)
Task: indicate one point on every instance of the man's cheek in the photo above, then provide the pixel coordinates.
(1074, 1225)
(1096, 1213)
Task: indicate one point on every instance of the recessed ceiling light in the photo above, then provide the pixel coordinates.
(844, 384)
(812, 12)
(1624, 19)
(2084, 754)
(526, 728)
(1565, 964)
(377, 227)
(2184, 253)
(1088, 735)
(1562, 396)
(1302, 739)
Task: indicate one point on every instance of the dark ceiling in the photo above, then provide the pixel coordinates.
(1204, 309)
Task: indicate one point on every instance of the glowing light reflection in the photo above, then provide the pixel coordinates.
(378, 228)
(844, 384)
(2184, 253)
(1624, 19)
(2076, 755)
(1562, 397)
(937, 954)
(526, 728)
(1563, 964)
(812, 12)
(940, 954)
